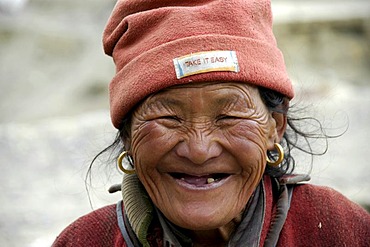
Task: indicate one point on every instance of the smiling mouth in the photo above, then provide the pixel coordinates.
(199, 181)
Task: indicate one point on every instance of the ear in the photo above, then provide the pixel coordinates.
(277, 129)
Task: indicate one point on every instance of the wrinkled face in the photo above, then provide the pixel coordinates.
(200, 150)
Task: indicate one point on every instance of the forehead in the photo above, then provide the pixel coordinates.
(215, 93)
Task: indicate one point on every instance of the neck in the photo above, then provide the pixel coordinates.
(215, 237)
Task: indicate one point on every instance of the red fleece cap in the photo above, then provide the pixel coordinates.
(156, 44)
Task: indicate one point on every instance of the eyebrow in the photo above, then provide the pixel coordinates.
(171, 101)
(162, 101)
(221, 100)
(227, 100)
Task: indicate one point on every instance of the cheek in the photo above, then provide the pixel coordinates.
(247, 142)
(147, 136)
(248, 136)
(150, 141)
(149, 144)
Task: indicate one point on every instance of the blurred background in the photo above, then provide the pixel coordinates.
(54, 115)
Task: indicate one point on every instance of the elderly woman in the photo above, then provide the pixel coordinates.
(200, 100)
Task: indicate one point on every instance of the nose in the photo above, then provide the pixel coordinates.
(199, 147)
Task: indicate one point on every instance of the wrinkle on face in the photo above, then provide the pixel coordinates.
(201, 128)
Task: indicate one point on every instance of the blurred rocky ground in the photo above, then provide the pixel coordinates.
(54, 107)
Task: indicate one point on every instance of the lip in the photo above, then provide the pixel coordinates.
(207, 186)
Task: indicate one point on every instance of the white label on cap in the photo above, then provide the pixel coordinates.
(203, 62)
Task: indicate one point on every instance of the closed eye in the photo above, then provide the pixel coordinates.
(176, 118)
(227, 117)
(227, 120)
(169, 120)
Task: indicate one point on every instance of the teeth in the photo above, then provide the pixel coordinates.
(210, 180)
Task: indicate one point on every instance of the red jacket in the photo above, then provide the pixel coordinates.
(318, 216)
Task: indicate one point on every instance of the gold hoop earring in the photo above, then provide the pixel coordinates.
(280, 151)
(120, 166)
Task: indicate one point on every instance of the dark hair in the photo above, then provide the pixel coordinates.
(297, 135)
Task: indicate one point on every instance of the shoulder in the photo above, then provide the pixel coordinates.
(324, 215)
(321, 200)
(98, 228)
